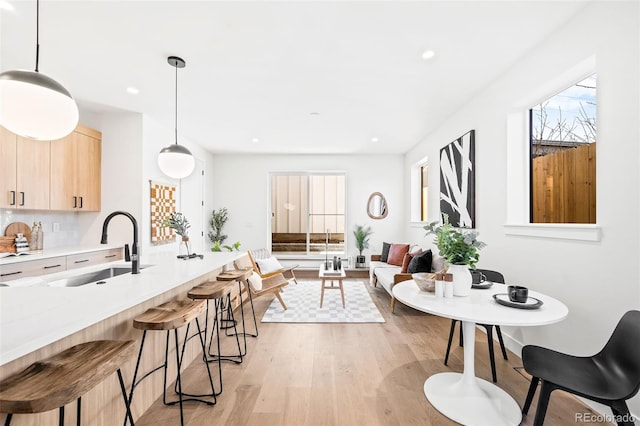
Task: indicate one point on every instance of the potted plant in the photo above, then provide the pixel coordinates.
(216, 222)
(460, 250)
(179, 223)
(361, 233)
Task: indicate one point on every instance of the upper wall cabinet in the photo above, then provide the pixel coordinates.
(76, 171)
(24, 172)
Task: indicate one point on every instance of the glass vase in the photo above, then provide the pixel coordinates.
(185, 247)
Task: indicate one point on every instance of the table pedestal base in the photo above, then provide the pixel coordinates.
(471, 402)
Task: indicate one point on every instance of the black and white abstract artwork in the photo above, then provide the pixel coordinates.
(457, 181)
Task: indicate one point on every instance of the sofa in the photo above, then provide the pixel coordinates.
(388, 270)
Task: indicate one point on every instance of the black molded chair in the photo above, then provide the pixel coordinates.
(495, 277)
(609, 377)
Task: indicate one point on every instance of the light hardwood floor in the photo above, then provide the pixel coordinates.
(347, 374)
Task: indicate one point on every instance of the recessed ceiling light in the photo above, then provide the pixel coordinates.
(428, 54)
(314, 113)
(5, 5)
(255, 140)
(133, 90)
(375, 140)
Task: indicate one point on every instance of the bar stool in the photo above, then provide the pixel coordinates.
(241, 276)
(59, 380)
(220, 293)
(171, 316)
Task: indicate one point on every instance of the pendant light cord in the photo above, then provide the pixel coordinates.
(37, 33)
(176, 126)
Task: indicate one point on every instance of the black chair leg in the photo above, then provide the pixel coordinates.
(622, 413)
(453, 329)
(530, 394)
(504, 351)
(461, 335)
(492, 358)
(543, 402)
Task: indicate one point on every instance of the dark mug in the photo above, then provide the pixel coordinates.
(518, 293)
(477, 277)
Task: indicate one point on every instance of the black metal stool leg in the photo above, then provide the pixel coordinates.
(123, 389)
(220, 310)
(61, 416)
(79, 411)
(7, 421)
(179, 379)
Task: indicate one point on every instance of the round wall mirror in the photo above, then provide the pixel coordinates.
(377, 206)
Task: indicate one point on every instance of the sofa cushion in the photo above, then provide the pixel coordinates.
(420, 262)
(407, 259)
(396, 254)
(385, 252)
(268, 265)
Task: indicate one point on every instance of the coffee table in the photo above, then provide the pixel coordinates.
(464, 397)
(331, 275)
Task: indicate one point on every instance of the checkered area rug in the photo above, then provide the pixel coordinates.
(303, 303)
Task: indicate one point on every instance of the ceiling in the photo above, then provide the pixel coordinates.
(304, 77)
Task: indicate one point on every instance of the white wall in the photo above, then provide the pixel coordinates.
(598, 281)
(241, 184)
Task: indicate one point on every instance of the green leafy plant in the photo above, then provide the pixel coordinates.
(235, 246)
(216, 246)
(216, 222)
(179, 223)
(457, 247)
(361, 233)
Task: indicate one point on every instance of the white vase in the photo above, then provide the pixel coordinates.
(461, 279)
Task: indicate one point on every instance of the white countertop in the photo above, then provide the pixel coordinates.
(33, 315)
(7, 258)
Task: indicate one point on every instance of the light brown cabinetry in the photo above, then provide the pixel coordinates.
(24, 172)
(76, 171)
(93, 258)
(33, 268)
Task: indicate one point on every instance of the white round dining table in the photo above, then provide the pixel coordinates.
(463, 397)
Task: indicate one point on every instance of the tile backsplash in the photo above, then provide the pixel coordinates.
(67, 225)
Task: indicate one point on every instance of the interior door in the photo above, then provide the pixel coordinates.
(192, 206)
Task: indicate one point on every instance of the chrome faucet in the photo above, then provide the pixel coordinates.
(135, 266)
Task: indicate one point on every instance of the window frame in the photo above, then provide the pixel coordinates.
(307, 254)
(518, 173)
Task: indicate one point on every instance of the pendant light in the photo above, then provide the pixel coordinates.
(34, 105)
(176, 160)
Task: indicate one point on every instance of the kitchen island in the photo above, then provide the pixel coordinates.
(37, 321)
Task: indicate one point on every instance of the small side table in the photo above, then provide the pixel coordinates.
(331, 275)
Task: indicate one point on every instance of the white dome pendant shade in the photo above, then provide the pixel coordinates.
(175, 160)
(34, 105)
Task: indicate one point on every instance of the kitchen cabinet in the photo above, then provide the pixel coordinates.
(24, 172)
(93, 258)
(33, 268)
(49, 265)
(76, 171)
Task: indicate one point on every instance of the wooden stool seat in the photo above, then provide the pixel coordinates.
(211, 290)
(235, 274)
(170, 315)
(63, 378)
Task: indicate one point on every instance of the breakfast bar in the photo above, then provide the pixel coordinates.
(38, 320)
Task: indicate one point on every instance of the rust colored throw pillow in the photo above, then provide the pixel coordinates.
(407, 258)
(396, 254)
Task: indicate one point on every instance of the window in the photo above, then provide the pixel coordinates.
(308, 213)
(563, 156)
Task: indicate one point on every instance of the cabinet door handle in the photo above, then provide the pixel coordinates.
(75, 202)
(10, 273)
(81, 261)
(13, 198)
(22, 198)
(52, 266)
(111, 255)
(80, 202)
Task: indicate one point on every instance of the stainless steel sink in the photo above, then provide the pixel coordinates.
(97, 277)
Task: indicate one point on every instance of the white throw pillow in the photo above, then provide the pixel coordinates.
(268, 265)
